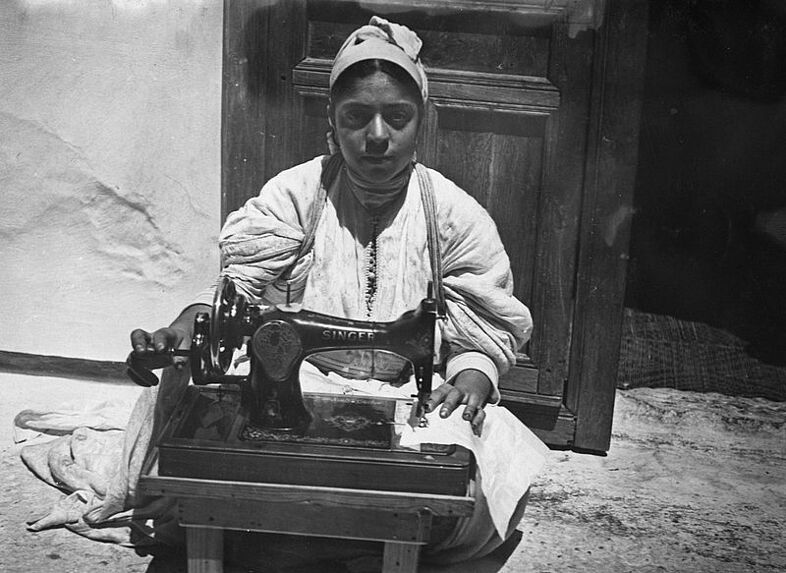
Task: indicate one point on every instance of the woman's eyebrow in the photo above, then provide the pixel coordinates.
(356, 105)
(366, 105)
(402, 104)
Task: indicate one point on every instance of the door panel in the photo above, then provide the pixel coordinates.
(474, 148)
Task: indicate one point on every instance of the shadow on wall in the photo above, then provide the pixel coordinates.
(709, 237)
(109, 169)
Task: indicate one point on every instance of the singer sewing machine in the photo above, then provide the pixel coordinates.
(280, 338)
(239, 446)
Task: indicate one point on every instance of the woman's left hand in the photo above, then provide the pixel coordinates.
(470, 387)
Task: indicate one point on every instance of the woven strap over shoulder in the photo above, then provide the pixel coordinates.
(432, 235)
(330, 168)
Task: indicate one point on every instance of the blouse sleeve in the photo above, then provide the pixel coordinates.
(262, 239)
(482, 313)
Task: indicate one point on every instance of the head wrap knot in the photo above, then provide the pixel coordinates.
(383, 40)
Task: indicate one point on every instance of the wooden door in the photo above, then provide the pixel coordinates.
(508, 119)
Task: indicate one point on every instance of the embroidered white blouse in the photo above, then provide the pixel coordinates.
(374, 265)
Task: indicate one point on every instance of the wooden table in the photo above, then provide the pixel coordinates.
(207, 507)
(223, 483)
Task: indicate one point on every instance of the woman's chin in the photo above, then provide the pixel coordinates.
(379, 172)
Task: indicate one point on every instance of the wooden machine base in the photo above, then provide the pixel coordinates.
(206, 552)
(223, 483)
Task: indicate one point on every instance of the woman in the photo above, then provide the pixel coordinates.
(367, 258)
(360, 234)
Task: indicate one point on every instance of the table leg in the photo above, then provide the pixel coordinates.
(205, 549)
(400, 557)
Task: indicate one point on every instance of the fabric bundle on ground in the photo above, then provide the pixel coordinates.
(98, 467)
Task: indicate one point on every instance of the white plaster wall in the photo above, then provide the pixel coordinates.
(109, 168)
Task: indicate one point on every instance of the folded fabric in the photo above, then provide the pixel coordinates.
(98, 467)
(508, 455)
(99, 415)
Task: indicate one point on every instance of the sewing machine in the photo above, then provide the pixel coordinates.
(255, 453)
(265, 412)
(278, 340)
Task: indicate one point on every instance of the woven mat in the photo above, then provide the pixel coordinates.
(660, 351)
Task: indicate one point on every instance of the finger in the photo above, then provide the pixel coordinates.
(163, 339)
(437, 396)
(473, 403)
(453, 399)
(477, 422)
(179, 362)
(140, 340)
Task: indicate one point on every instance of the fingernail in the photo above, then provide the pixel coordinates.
(444, 413)
(467, 416)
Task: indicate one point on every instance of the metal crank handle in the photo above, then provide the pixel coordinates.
(139, 367)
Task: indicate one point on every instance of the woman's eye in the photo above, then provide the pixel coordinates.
(398, 118)
(355, 118)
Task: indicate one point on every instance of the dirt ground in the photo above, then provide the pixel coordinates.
(693, 482)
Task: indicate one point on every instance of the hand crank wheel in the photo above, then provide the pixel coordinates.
(225, 306)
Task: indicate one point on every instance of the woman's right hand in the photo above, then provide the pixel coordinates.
(157, 342)
(148, 346)
(152, 347)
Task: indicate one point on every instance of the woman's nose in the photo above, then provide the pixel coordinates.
(377, 134)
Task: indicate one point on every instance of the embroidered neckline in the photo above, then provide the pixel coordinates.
(372, 267)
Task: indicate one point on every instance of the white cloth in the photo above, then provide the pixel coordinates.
(98, 415)
(101, 469)
(381, 39)
(508, 454)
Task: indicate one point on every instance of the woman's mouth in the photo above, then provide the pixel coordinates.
(376, 159)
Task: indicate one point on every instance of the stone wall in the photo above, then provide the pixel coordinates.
(109, 168)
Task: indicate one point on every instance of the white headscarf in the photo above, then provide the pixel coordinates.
(383, 40)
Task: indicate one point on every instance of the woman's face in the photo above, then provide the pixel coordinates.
(376, 125)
